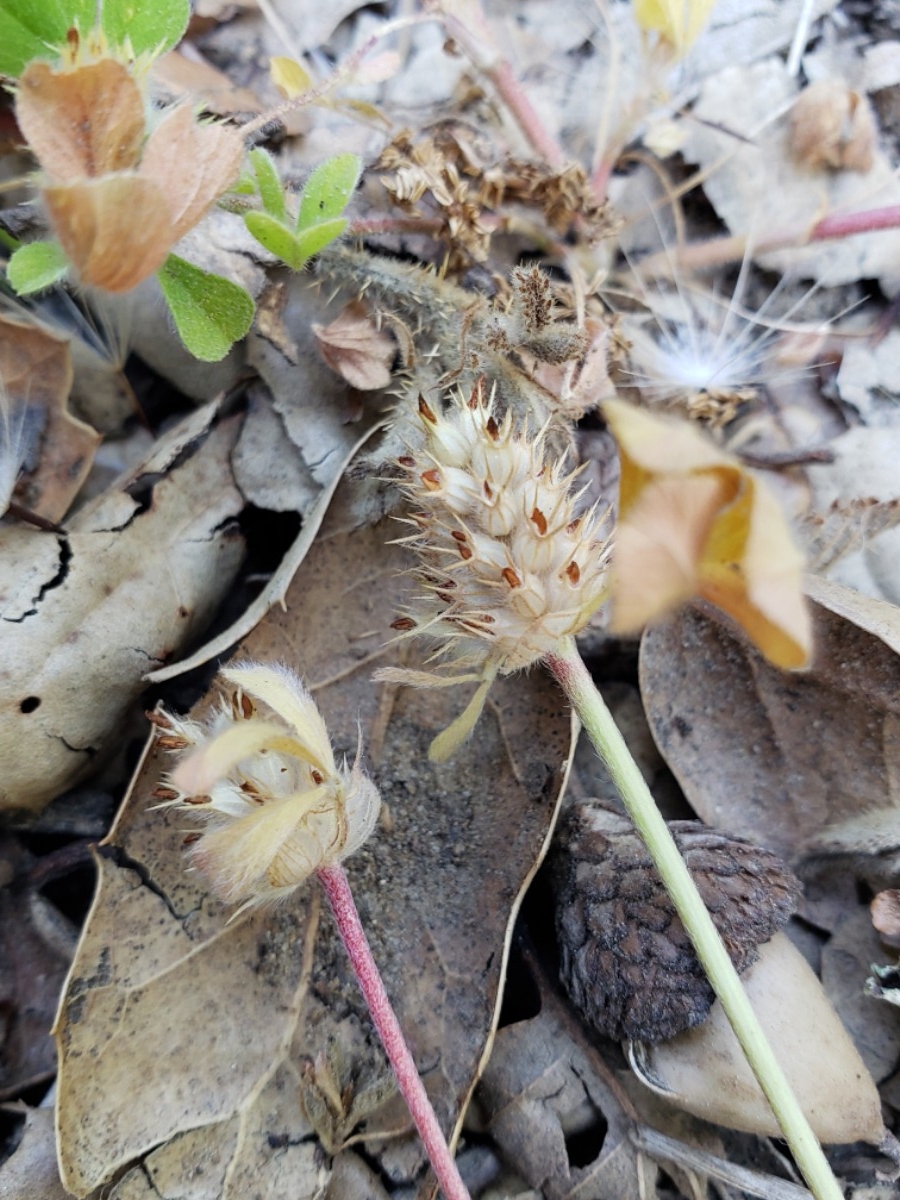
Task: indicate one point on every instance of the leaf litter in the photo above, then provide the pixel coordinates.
(199, 1057)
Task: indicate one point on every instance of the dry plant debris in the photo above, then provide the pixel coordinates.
(644, 238)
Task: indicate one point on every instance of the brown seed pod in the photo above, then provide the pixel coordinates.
(626, 959)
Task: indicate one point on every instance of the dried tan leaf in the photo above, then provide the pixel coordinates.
(705, 1072)
(165, 998)
(832, 126)
(36, 374)
(775, 757)
(191, 164)
(86, 612)
(81, 123)
(356, 348)
(117, 230)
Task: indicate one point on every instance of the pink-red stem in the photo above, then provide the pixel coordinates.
(844, 224)
(337, 889)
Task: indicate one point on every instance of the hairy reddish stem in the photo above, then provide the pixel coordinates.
(845, 224)
(504, 80)
(337, 889)
(713, 252)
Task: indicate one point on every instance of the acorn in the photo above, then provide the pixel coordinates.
(626, 959)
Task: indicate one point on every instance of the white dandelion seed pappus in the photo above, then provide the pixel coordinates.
(274, 804)
(506, 565)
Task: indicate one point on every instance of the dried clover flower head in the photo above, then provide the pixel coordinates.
(275, 805)
(507, 568)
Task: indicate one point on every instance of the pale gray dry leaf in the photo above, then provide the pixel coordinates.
(321, 421)
(705, 1071)
(865, 467)
(136, 575)
(740, 136)
(31, 1172)
(276, 589)
(223, 1020)
(541, 1087)
(846, 963)
(766, 754)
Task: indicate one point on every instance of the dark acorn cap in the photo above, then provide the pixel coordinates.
(626, 959)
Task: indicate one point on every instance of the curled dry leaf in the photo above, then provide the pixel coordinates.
(705, 1072)
(354, 346)
(695, 522)
(55, 449)
(542, 1088)
(832, 126)
(88, 612)
(167, 999)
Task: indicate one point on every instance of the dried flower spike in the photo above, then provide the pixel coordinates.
(275, 805)
(507, 566)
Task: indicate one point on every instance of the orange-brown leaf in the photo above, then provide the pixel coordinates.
(81, 123)
(116, 230)
(695, 522)
(356, 348)
(192, 165)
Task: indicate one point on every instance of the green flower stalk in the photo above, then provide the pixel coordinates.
(509, 573)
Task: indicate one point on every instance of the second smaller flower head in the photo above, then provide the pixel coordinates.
(275, 805)
(507, 566)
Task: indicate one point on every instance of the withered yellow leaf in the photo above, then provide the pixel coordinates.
(679, 22)
(695, 522)
(117, 230)
(81, 123)
(289, 77)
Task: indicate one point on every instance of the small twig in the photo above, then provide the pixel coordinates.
(716, 252)
(481, 47)
(343, 72)
(366, 226)
(337, 889)
(658, 1146)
